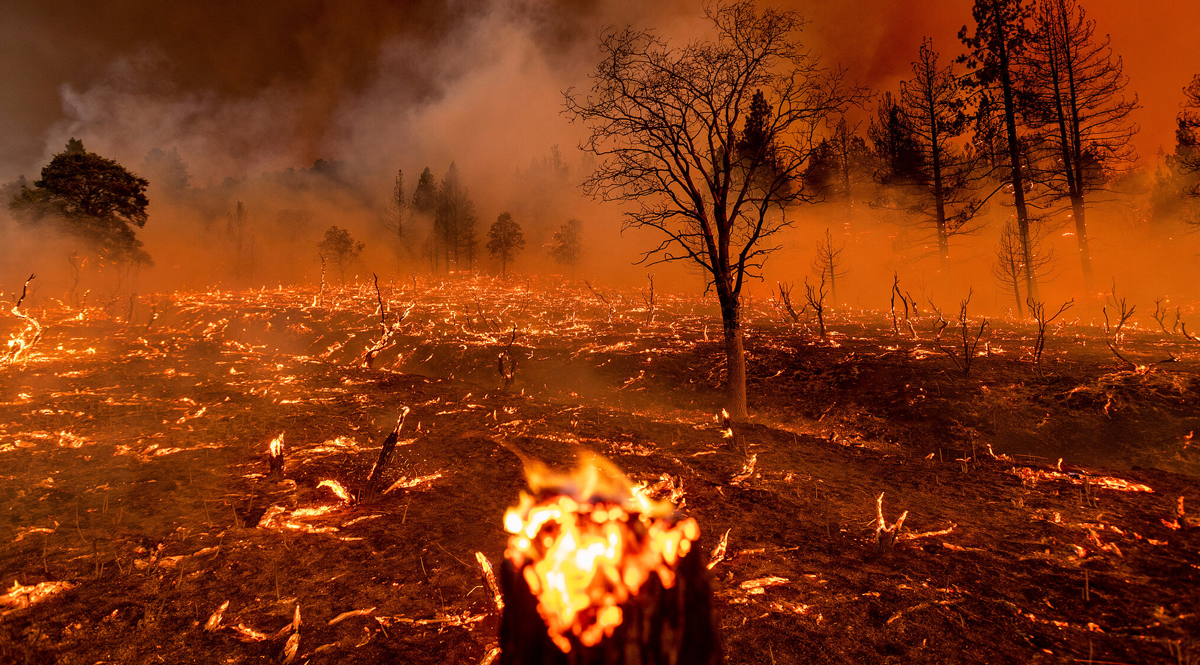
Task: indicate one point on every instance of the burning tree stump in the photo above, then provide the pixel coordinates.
(597, 573)
(660, 626)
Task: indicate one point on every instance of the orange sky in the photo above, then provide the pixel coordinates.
(1157, 40)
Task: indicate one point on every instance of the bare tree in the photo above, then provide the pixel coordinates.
(815, 295)
(708, 138)
(828, 263)
(1010, 263)
(966, 345)
(1001, 33)
(1038, 311)
(1073, 86)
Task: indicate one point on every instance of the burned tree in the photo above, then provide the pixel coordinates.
(672, 126)
(838, 166)
(1001, 33)
(1073, 86)
(828, 264)
(1010, 263)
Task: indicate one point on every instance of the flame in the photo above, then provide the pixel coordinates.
(337, 489)
(588, 543)
(276, 446)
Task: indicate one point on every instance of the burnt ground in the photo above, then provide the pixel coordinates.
(133, 475)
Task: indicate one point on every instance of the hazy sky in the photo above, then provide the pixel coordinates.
(311, 55)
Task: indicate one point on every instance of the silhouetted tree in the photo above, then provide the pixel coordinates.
(91, 197)
(396, 216)
(425, 195)
(505, 240)
(237, 227)
(1001, 33)
(1010, 263)
(1187, 139)
(839, 166)
(667, 120)
(454, 219)
(567, 247)
(828, 264)
(944, 179)
(1072, 86)
(167, 169)
(341, 248)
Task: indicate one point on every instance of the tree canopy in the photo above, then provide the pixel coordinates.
(91, 197)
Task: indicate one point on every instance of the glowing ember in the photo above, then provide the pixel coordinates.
(586, 543)
(337, 489)
(20, 597)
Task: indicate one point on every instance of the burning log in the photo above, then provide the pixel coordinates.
(594, 573)
(275, 458)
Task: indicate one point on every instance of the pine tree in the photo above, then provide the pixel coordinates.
(567, 247)
(1001, 33)
(1072, 85)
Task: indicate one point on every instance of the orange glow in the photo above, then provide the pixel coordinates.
(588, 543)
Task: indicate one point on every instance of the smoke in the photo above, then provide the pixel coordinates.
(252, 95)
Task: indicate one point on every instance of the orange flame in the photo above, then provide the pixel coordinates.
(588, 543)
(276, 446)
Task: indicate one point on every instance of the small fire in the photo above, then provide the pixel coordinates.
(586, 543)
(338, 489)
(276, 446)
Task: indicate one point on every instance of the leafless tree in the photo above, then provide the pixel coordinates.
(709, 139)
(828, 263)
(1073, 89)
(784, 302)
(1038, 311)
(1010, 263)
(815, 295)
(966, 345)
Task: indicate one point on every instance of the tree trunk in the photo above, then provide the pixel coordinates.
(1085, 254)
(1014, 157)
(735, 357)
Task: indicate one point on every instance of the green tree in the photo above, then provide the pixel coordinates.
(505, 240)
(567, 247)
(91, 197)
(340, 247)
